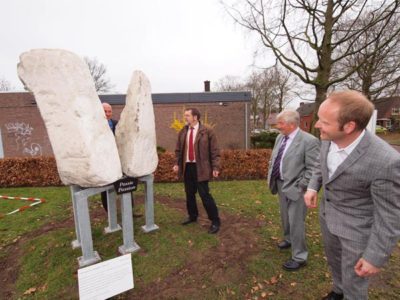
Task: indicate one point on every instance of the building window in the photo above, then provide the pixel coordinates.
(395, 111)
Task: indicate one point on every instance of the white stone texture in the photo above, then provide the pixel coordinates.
(136, 130)
(82, 142)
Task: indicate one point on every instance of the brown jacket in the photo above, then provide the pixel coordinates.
(205, 149)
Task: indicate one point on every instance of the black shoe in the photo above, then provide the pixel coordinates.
(188, 221)
(292, 265)
(213, 229)
(333, 296)
(284, 245)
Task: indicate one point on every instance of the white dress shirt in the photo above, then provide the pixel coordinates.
(195, 130)
(336, 156)
(288, 142)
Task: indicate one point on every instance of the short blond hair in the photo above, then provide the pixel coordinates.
(353, 106)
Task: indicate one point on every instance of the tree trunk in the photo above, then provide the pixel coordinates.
(319, 98)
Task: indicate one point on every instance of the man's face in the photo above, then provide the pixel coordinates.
(108, 111)
(284, 127)
(189, 118)
(327, 123)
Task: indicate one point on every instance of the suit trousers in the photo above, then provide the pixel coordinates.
(342, 255)
(104, 200)
(293, 215)
(192, 186)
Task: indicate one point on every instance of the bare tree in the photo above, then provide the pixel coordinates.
(308, 37)
(229, 83)
(378, 74)
(5, 85)
(254, 85)
(271, 91)
(284, 86)
(98, 71)
(267, 91)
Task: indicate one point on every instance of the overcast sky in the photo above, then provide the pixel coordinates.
(177, 43)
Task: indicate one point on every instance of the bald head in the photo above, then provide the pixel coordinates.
(107, 110)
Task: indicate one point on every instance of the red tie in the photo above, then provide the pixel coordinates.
(191, 150)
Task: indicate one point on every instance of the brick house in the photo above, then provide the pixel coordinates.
(388, 112)
(306, 111)
(22, 131)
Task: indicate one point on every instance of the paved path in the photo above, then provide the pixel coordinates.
(396, 147)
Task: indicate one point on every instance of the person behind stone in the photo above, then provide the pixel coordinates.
(198, 161)
(293, 159)
(112, 123)
(360, 209)
(108, 112)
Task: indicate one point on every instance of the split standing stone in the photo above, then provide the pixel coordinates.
(82, 142)
(136, 130)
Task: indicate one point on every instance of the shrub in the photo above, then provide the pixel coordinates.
(38, 171)
(42, 171)
(264, 140)
(160, 149)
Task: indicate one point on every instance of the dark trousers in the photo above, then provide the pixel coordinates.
(192, 186)
(104, 200)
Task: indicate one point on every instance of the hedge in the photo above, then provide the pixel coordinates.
(42, 171)
(263, 140)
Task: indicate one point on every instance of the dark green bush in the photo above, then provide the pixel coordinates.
(265, 140)
(160, 149)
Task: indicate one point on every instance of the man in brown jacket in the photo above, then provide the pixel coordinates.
(197, 161)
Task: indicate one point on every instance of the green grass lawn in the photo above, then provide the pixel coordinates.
(392, 138)
(49, 265)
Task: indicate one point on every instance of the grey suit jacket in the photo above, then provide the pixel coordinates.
(361, 200)
(298, 164)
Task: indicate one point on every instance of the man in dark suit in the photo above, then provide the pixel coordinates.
(112, 123)
(293, 160)
(108, 112)
(197, 161)
(360, 208)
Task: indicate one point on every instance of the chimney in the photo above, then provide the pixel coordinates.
(207, 86)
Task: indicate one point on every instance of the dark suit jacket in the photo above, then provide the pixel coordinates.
(114, 123)
(206, 152)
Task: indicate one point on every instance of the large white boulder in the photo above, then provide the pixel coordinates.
(136, 130)
(82, 142)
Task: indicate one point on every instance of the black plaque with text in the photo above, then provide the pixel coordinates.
(125, 185)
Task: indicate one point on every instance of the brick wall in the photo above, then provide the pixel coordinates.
(305, 123)
(23, 132)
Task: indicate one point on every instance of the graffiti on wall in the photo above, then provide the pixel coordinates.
(178, 124)
(22, 133)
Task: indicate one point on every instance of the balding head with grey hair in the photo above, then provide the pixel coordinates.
(289, 116)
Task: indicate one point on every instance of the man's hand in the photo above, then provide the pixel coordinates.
(175, 168)
(311, 198)
(215, 173)
(365, 269)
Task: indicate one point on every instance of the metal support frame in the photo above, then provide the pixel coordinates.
(149, 203)
(83, 230)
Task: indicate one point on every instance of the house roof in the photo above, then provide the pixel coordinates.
(384, 106)
(168, 98)
(306, 109)
(27, 98)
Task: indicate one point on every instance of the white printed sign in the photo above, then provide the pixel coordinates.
(106, 279)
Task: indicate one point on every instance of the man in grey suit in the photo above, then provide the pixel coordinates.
(360, 209)
(293, 160)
